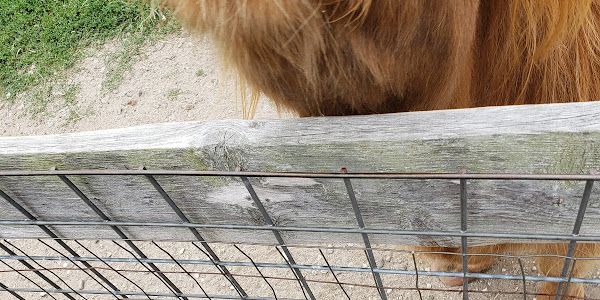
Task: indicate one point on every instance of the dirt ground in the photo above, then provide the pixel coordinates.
(174, 80)
(179, 79)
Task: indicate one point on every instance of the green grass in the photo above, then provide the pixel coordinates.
(172, 94)
(70, 101)
(39, 100)
(70, 94)
(41, 38)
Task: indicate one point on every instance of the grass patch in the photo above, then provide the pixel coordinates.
(40, 38)
(39, 100)
(131, 43)
(172, 94)
(200, 73)
(76, 113)
(70, 95)
(39, 97)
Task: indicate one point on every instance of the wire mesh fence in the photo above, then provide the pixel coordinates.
(126, 268)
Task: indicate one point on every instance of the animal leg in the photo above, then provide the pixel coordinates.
(552, 266)
(453, 262)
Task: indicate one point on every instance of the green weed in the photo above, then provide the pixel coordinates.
(38, 100)
(70, 95)
(172, 94)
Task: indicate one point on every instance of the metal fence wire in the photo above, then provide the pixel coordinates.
(123, 268)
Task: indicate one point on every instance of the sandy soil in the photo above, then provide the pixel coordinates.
(179, 79)
(176, 79)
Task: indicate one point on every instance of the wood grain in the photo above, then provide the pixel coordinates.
(540, 139)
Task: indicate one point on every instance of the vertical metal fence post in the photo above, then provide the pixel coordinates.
(463, 239)
(277, 235)
(414, 259)
(564, 295)
(578, 221)
(523, 280)
(365, 237)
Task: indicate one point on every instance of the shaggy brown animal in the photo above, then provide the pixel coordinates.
(344, 57)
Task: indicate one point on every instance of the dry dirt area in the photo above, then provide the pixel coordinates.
(179, 79)
(174, 80)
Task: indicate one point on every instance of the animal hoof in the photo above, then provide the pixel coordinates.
(453, 281)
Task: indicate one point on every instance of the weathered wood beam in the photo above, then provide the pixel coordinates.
(540, 139)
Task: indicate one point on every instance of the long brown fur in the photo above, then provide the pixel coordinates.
(344, 57)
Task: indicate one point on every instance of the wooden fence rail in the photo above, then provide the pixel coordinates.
(540, 139)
